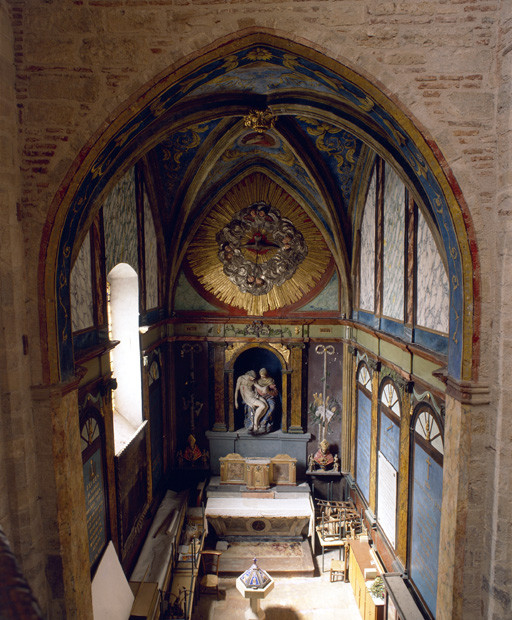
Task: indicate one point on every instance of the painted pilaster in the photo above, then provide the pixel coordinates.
(353, 409)
(375, 366)
(284, 400)
(219, 397)
(296, 388)
(346, 410)
(403, 479)
(145, 401)
(231, 398)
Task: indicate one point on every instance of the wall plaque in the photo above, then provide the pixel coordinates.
(95, 505)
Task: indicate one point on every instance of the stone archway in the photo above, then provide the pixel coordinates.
(77, 200)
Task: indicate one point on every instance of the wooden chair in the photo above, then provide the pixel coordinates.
(210, 572)
(338, 569)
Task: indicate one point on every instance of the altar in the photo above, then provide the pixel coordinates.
(281, 511)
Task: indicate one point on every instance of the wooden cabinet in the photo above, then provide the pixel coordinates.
(361, 565)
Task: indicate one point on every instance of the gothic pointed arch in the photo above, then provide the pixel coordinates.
(342, 100)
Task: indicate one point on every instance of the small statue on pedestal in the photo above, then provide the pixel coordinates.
(336, 464)
(323, 458)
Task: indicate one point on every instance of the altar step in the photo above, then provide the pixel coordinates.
(278, 557)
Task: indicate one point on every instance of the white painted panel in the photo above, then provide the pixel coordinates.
(386, 498)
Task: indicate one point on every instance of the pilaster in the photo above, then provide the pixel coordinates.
(375, 367)
(296, 388)
(219, 396)
(63, 499)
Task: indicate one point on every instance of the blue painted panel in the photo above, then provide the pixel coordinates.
(364, 430)
(367, 318)
(389, 440)
(435, 342)
(95, 505)
(426, 523)
(392, 327)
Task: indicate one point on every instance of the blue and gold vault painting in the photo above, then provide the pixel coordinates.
(296, 82)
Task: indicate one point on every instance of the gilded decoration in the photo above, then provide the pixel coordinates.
(282, 350)
(257, 249)
(233, 349)
(260, 120)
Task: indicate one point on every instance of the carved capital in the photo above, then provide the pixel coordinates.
(468, 392)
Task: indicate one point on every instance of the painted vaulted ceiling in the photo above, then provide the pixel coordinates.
(211, 165)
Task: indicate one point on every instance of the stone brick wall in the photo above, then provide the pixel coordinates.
(498, 583)
(446, 62)
(19, 510)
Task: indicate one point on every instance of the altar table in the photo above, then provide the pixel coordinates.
(244, 516)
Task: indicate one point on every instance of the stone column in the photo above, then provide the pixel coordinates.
(296, 388)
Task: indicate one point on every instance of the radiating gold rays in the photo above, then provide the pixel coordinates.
(206, 266)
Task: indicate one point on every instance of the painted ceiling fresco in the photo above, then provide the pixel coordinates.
(314, 163)
(312, 152)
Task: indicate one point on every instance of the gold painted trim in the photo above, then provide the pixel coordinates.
(233, 349)
(283, 350)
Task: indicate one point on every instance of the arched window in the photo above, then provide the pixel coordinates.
(364, 428)
(123, 306)
(426, 499)
(388, 459)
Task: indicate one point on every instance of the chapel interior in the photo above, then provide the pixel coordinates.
(254, 273)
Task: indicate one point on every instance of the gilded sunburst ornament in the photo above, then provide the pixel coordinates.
(257, 249)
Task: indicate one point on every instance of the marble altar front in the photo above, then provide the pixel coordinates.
(245, 516)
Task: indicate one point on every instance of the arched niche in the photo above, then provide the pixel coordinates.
(287, 362)
(256, 358)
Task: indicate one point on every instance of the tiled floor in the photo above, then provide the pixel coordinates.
(312, 598)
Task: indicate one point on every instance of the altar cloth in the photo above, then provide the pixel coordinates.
(253, 516)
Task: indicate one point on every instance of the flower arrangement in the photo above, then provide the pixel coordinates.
(377, 588)
(322, 412)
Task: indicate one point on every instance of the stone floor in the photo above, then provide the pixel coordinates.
(301, 598)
